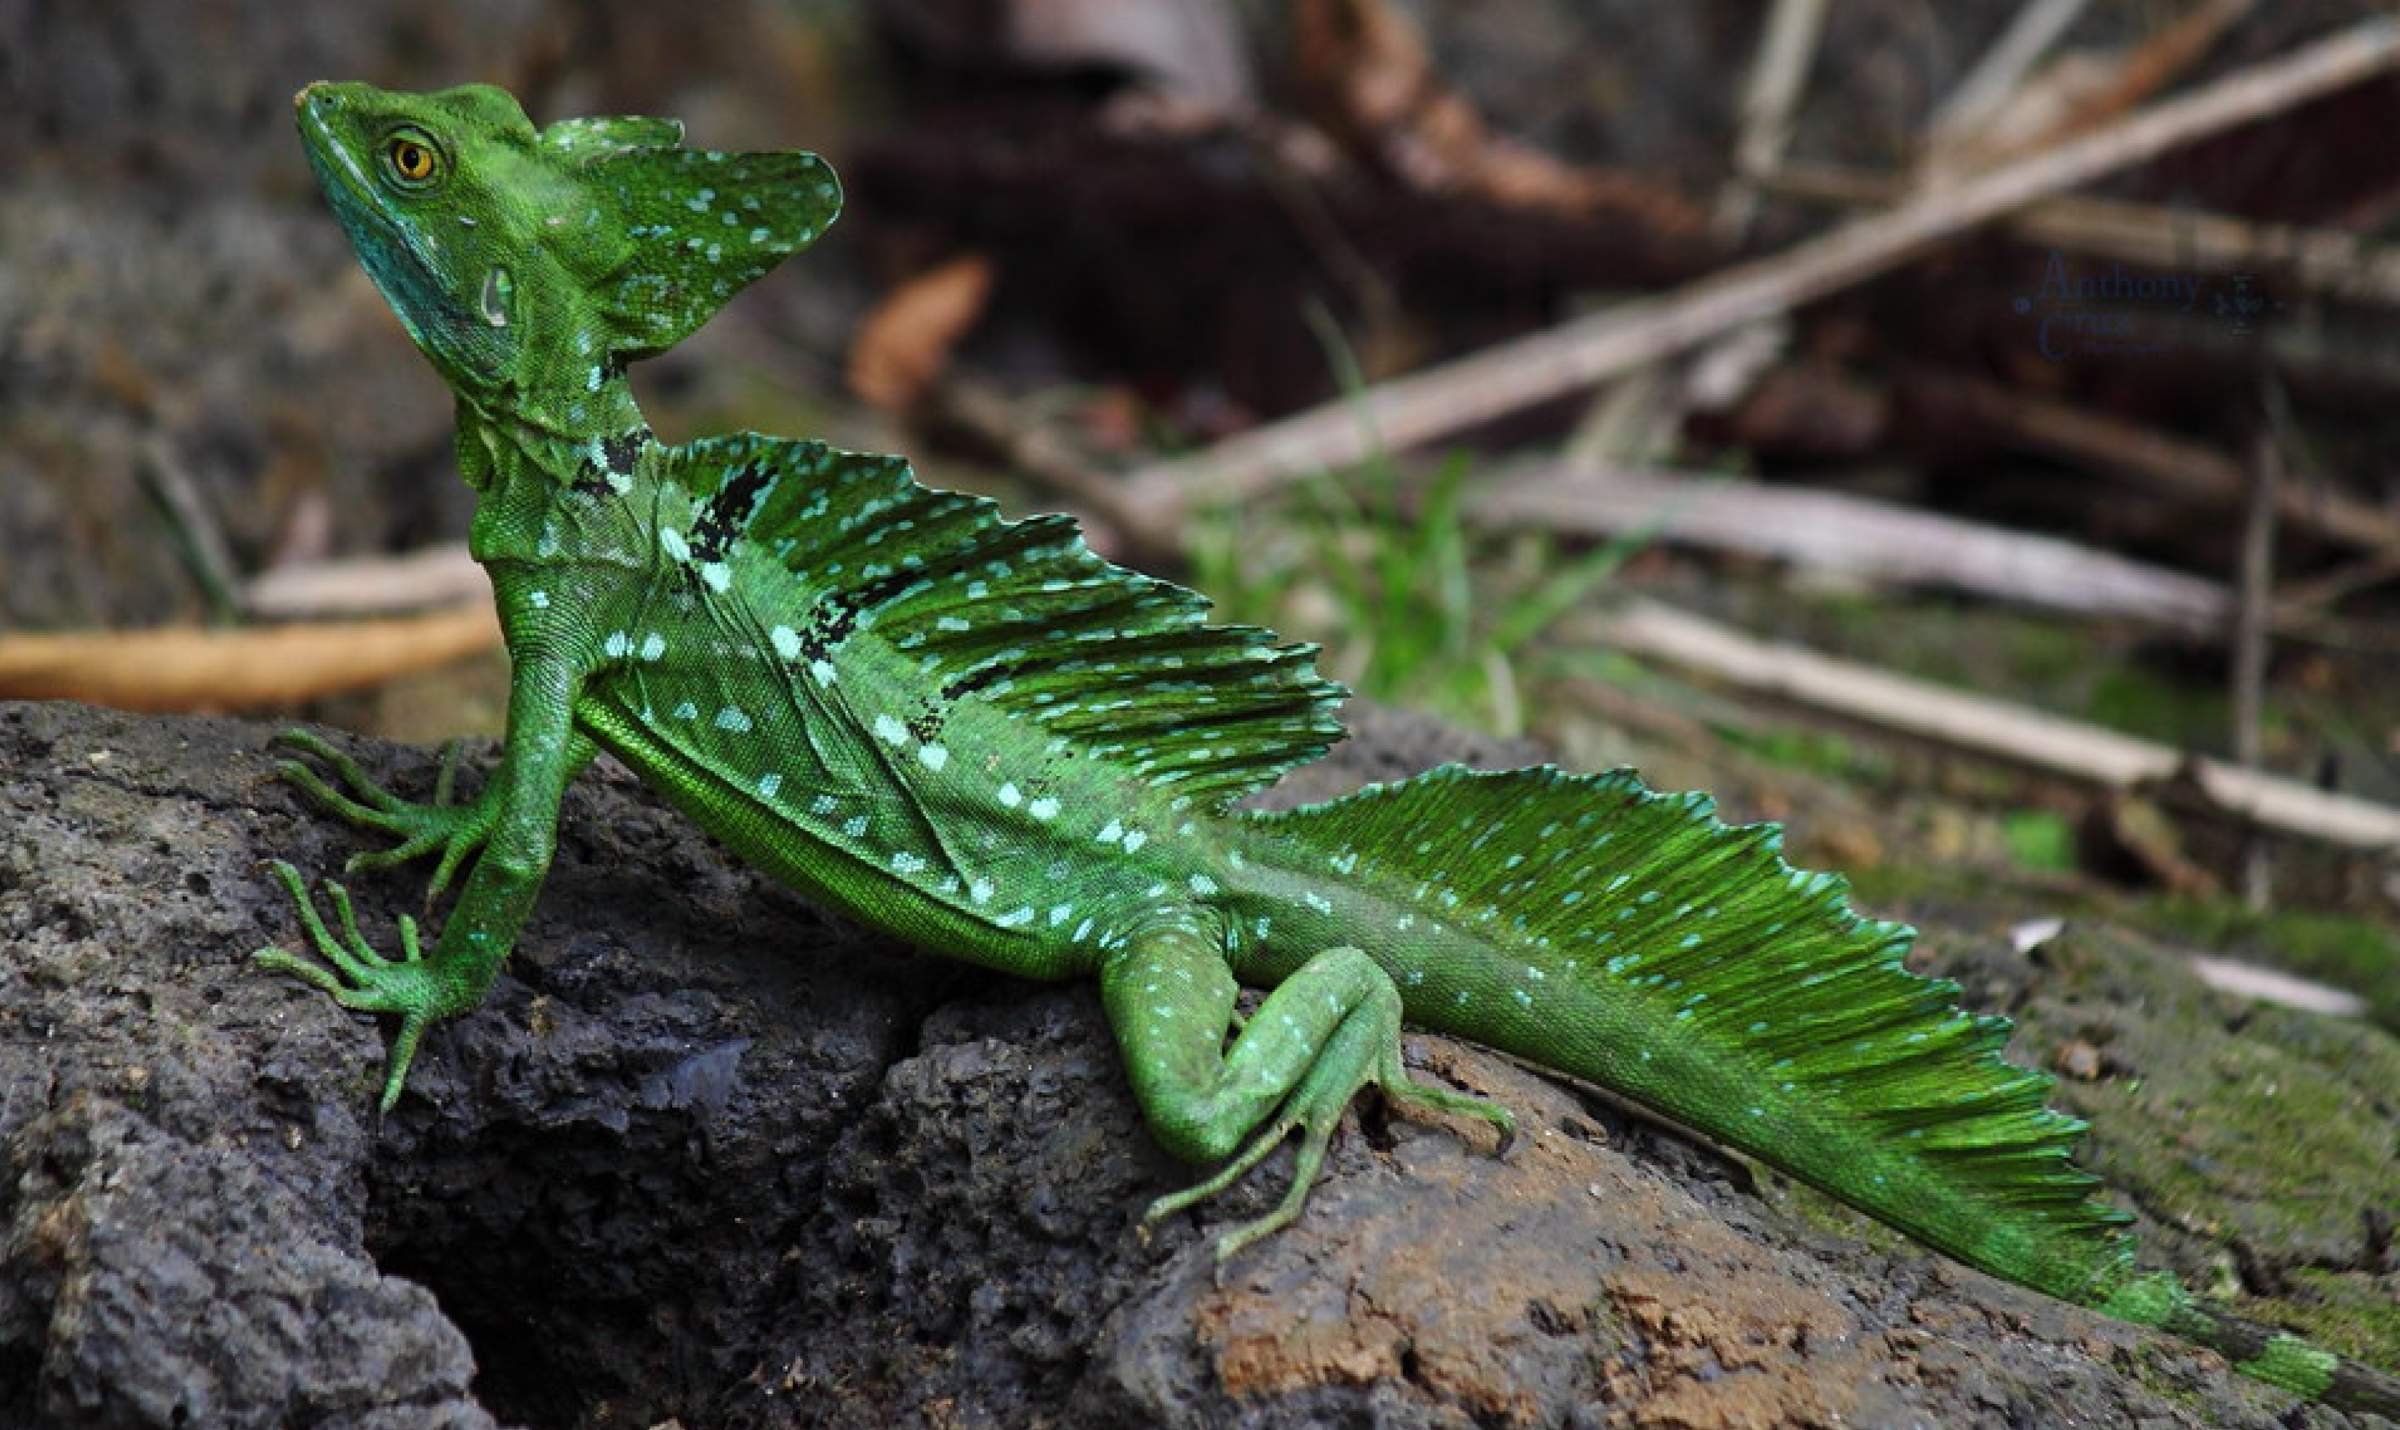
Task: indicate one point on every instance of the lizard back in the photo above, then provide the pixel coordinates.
(950, 705)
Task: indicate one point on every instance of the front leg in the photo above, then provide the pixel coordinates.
(540, 758)
(456, 830)
(1328, 1030)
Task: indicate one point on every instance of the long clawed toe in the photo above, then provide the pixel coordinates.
(358, 977)
(365, 794)
(1314, 1141)
(1316, 1120)
(453, 830)
(1409, 1094)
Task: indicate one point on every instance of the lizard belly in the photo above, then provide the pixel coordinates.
(976, 903)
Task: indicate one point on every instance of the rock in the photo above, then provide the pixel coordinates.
(709, 1155)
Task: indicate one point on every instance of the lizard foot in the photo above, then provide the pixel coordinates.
(360, 977)
(1363, 1050)
(457, 830)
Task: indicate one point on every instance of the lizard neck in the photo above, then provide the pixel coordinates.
(531, 456)
(585, 435)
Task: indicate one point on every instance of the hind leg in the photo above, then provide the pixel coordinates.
(1327, 1031)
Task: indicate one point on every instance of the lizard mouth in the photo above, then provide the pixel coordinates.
(387, 248)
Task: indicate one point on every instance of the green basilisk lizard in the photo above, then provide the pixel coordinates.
(982, 738)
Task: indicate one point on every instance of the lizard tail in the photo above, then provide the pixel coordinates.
(1587, 924)
(2263, 1353)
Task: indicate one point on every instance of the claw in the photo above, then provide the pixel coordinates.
(351, 773)
(447, 777)
(333, 801)
(1405, 1091)
(360, 978)
(453, 829)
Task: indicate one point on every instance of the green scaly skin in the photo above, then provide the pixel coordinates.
(981, 738)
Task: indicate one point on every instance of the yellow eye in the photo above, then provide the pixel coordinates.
(411, 160)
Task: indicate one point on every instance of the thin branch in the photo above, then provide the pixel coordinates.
(2331, 261)
(187, 669)
(2168, 464)
(2003, 67)
(2253, 612)
(1856, 536)
(431, 576)
(1785, 49)
(1513, 376)
(1991, 728)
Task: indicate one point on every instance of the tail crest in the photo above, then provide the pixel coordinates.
(1591, 925)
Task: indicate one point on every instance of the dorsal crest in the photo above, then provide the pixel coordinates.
(1022, 616)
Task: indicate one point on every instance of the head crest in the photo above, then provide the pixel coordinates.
(697, 226)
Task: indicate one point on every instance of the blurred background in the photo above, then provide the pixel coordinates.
(1963, 430)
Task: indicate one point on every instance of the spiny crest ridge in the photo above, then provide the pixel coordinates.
(1649, 896)
(1020, 615)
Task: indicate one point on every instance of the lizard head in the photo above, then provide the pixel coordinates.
(538, 261)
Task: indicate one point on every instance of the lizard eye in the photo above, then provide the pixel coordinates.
(412, 160)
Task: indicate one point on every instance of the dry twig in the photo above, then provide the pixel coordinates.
(2331, 261)
(1991, 728)
(238, 669)
(1785, 49)
(442, 575)
(1856, 536)
(1513, 376)
(2166, 463)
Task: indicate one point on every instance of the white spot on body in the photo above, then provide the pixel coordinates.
(891, 730)
(786, 642)
(933, 757)
(733, 719)
(768, 784)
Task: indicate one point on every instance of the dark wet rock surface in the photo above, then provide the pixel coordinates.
(707, 1154)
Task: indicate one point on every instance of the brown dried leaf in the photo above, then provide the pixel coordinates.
(905, 343)
(1365, 75)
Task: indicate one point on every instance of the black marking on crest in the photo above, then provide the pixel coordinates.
(925, 725)
(728, 510)
(973, 681)
(618, 455)
(829, 624)
(621, 452)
